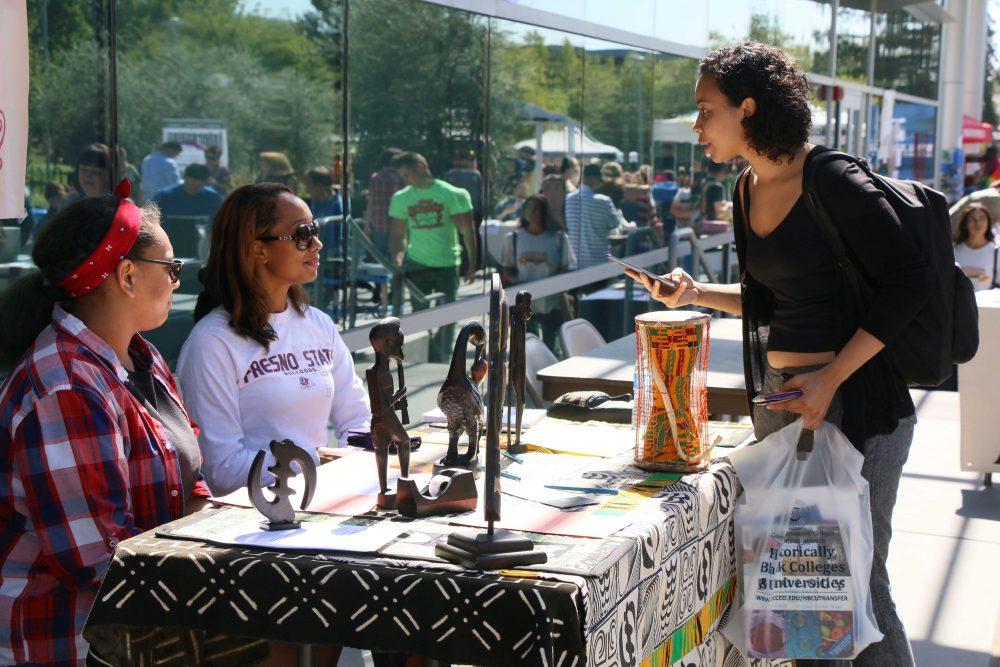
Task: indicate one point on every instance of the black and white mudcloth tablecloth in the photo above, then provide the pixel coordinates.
(658, 604)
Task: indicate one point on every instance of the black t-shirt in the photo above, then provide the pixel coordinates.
(796, 264)
(162, 407)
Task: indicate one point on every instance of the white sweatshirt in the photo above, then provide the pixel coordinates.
(242, 396)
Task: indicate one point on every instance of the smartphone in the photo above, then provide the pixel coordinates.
(666, 282)
(768, 399)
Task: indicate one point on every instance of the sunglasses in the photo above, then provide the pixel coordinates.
(303, 236)
(174, 266)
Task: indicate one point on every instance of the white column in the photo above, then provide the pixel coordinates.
(975, 58)
(952, 76)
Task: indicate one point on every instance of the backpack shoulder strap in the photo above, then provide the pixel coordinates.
(824, 221)
(996, 252)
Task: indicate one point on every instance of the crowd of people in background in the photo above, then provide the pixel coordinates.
(425, 227)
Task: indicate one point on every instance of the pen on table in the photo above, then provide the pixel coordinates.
(508, 475)
(512, 457)
(583, 489)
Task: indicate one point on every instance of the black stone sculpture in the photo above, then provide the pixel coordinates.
(519, 316)
(460, 400)
(387, 429)
(279, 512)
(495, 548)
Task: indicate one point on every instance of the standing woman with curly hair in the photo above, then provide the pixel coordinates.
(801, 329)
(95, 444)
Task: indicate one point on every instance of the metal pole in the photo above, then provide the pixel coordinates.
(45, 79)
(834, 10)
(111, 175)
(872, 32)
(640, 128)
(347, 171)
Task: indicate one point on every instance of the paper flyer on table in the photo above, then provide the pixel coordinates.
(235, 526)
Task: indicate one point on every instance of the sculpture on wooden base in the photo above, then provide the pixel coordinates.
(494, 548)
(456, 492)
(279, 512)
(387, 429)
(519, 316)
(460, 400)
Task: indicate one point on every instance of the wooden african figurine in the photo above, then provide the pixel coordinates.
(496, 548)
(460, 400)
(387, 340)
(519, 316)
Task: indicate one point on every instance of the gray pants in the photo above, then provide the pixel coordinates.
(884, 459)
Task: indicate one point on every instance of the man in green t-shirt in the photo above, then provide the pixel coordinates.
(427, 218)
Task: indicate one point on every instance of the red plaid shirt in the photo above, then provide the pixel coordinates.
(82, 466)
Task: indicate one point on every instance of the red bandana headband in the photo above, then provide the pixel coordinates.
(112, 249)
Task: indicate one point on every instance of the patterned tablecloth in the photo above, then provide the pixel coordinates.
(657, 602)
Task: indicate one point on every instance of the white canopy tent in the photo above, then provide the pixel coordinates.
(679, 129)
(675, 130)
(559, 141)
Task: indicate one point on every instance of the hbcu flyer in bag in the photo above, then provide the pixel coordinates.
(799, 594)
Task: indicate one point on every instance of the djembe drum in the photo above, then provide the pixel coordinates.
(671, 396)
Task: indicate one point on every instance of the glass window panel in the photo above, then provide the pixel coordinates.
(536, 101)
(801, 27)
(914, 137)
(682, 22)
(675, 145)
(259, 84)
(69, 128)
(908, 52)
(420, 87)
(853, 38)
(728, 21)
(634, 16)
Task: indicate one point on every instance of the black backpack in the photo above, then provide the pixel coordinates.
(946, 331)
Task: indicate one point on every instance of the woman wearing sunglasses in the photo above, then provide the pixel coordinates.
(261, 364)
(95, 445)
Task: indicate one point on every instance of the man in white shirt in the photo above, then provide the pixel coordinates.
(589, 219)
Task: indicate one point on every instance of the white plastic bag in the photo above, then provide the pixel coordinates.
(803, 548)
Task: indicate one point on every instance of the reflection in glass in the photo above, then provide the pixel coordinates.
(419, 91)
(211, 100)
(68, 152)
(908, 53)
(536, 141)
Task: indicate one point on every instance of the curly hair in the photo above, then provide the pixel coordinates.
(780, 88)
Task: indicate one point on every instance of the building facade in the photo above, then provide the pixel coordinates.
(503, 88)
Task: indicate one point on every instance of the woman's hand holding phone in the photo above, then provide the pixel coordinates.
(686, 293)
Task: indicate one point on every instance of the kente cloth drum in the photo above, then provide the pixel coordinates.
(671, 395)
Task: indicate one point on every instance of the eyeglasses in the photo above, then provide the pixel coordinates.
(174, 266)
(303, 236)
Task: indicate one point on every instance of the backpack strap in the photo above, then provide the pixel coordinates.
(825, 223)
(996, 251)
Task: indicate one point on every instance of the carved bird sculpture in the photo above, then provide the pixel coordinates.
(459, 397)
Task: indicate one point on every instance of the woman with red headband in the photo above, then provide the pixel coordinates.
(95, 445)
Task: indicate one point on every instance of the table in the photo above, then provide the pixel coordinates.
(610, 369)
(977, 382)
(655, 590)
